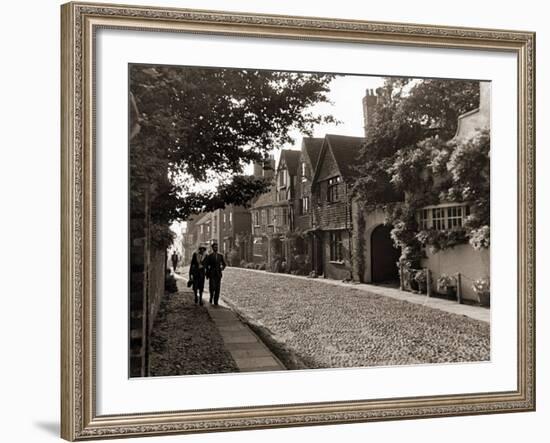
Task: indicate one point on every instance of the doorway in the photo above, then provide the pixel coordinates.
(384, 256)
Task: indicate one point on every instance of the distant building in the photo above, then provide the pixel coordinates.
(189, 239)
(205, 230)
(234, 228)
(262, 215)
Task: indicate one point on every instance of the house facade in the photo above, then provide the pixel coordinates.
(303, 245)
(331, 206)
(462, 259)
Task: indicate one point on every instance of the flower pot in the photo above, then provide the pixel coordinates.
(484, 298)
(451, 292)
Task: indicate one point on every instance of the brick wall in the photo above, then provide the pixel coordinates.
(147, 268)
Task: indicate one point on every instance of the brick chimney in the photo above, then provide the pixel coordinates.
(265, 168)
(369, 105)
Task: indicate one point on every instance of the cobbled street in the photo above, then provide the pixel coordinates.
(311, 324)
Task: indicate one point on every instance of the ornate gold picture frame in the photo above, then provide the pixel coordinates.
(80, 23)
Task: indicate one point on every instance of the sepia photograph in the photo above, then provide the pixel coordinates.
(283, 220)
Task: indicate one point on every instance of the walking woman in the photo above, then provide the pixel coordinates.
(197, 273)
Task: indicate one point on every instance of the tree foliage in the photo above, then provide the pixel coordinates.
(203, 124)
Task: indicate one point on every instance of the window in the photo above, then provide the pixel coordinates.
(443, 217)
(264, 218)
(454, 217)
(282, 178)
(336, 246)
(256, 218)
(230, 217)
(303, 171)
(304, 206)
(438, 218)
(258, 246)
(332, 191)
(285, 216)
(269, 216)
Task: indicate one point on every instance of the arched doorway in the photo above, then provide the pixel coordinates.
(384, 256)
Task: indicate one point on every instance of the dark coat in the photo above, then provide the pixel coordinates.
(194, 268)
(215, 264)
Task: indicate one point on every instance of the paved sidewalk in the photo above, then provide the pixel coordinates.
(474, 312)
(248, 351)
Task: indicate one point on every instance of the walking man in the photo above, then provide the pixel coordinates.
(215, 264)
(174, 259)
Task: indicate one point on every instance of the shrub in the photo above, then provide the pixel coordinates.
(170, 285)
(445, 281)
(420, 277)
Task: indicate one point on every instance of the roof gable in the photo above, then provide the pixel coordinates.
(311, 148)
(344, 151)
(291, 159)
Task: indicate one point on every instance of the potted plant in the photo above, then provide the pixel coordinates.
(482, 288)
(447, 285)
(421, 280)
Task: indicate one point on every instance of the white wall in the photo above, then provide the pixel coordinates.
(470, 263)
(29, 226)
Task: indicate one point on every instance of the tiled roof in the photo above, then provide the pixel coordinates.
(292, 160)
(345, 150)
(264, 200)
(312, 147)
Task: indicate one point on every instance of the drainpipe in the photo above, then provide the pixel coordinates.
(350, 230)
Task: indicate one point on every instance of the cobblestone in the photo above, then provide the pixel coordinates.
(324, 326)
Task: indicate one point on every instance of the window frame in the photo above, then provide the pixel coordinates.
(336, 247)
(443, 217)
(305, 208)
(333, 189)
